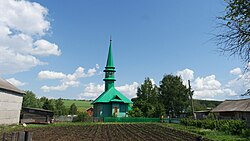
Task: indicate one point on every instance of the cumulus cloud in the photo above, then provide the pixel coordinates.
(92, 91)
(210, 88)
(129, 90)
(235, 71)
(207, 87)
(66, 80)
(240, 84)
(51, 75)
(45, 48)
(15, 82)
(186, 75)
(22, 26)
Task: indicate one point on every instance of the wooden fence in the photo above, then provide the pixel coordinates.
(17, 136)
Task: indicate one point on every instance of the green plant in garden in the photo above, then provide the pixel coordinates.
(234, 127)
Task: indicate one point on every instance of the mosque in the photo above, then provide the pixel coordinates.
(111, 103)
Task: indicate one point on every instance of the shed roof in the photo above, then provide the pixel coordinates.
(112, 95)
(37, 109)
(5, 85)
(241, 105)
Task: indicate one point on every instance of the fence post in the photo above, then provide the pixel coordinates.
(28, 136)
(21, 136)
(4, 137)
(13, 137)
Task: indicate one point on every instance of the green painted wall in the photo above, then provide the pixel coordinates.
(108, 109)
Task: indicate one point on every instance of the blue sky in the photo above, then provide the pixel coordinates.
(59, 48)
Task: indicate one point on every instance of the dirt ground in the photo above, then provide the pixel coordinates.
(111, 132)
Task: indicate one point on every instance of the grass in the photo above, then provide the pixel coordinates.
(207, 133)
(81, 105)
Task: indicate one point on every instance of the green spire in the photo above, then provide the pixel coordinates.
(110, 62)
(109, 70)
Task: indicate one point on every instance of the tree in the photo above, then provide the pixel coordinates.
(147, 99)
(136, 112)
(30, 100)
(73, 109)
(49, 105)
(235, 25)
(60, 109)
(174, 95)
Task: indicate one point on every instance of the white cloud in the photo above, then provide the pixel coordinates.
(92, 91)
(45, 48)
(22, 26)
(12, 62)
(66, 80)
(206, 83)
(240, 84)
(54, 88)
(50, 75)
(235, 71)
(15, 82)
(129, 90)
(24, 16)
(186, 75)
(207, 87)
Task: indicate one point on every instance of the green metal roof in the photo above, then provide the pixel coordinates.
(112, 95)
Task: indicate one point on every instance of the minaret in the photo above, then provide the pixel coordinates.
(109, 70)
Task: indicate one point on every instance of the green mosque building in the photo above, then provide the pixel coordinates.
(111, 103)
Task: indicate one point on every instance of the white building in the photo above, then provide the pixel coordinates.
(10, 103)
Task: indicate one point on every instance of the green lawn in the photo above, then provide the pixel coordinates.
(81, 105)
(210, 134)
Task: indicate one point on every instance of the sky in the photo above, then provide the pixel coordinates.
(59, 48)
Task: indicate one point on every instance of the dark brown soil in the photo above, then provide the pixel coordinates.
(111, 132)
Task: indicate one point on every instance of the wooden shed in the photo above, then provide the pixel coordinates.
(201, 114)
(35, 115)
(233, 109)
(11, 99)
(90, 111)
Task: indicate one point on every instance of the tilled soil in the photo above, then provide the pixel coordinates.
(111, 132)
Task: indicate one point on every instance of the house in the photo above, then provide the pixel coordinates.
(35, 115)
(111, 103)
(11, 99)
(90, 111)
(233, 109)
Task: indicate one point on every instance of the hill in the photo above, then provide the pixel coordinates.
(82, 105)
(205, 104)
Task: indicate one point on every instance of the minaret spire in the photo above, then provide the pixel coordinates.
(109, 69)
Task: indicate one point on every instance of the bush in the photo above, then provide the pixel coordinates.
(81, 117)
(235, 127)
(246, 133)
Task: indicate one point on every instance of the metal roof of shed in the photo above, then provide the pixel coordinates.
(241, 105)
(5, 85)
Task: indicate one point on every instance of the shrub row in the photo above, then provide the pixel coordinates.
(235, 127)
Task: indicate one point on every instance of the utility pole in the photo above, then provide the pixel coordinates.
(191, 98)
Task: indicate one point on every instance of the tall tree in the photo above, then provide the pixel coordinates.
(146, 101)
(30, 100)
(235, 24)
(49, 105)
(73, 109)
(174, 95)
(60, 108)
